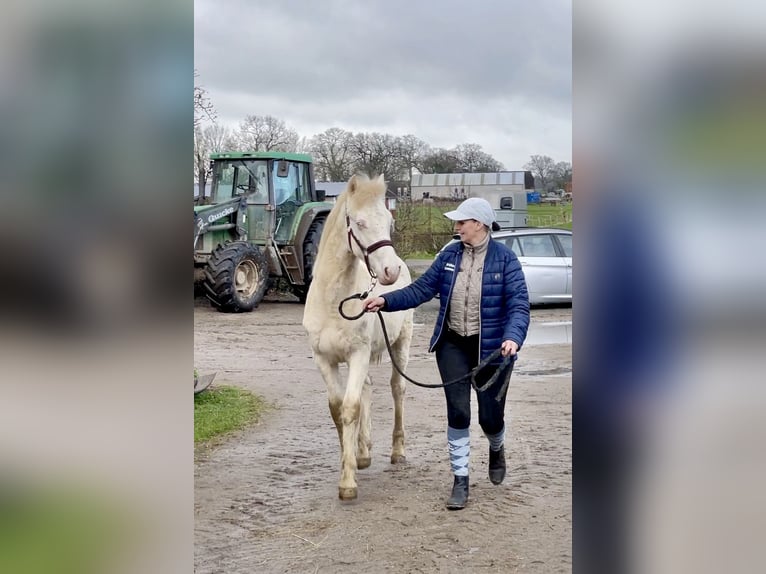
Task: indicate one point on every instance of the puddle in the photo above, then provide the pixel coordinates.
(549, 333)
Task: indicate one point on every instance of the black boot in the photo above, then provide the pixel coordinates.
(497, 465)
(459, 493)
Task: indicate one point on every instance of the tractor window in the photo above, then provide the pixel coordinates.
(304, 189)
(238, 178)
(260, 182)
(223, 177)
(243, 182)
(252, 179)
(285, 187)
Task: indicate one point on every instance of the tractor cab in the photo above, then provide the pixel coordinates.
(266, 200)
(272, 188)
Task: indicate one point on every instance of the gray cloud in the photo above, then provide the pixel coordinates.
(496, 73)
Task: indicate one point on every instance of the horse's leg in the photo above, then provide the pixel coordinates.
(330, 374)
(401, 355)
(364, 444)
(358, 365)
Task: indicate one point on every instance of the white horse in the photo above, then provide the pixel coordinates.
(356, 251)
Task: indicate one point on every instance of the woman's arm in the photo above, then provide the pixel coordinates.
(515, 292)
(423, 289)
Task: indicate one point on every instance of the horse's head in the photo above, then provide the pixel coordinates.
(369, 226)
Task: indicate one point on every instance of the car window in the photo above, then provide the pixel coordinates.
(566, 244)
(513, 244)
(537, 246)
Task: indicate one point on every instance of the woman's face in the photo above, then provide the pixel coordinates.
(471, 231)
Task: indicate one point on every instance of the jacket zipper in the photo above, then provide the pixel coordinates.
(449, 296)
(467, 293)
(481, 291)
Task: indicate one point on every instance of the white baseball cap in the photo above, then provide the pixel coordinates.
(475, 208)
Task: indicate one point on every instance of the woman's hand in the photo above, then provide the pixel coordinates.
(373, 304)
(508, 347)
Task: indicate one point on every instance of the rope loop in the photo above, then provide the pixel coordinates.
(471, 374)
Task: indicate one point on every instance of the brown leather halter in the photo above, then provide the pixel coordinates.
(366, 251)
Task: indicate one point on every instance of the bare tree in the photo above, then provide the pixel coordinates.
(543, 168)
(412, 153)
(465, 158)
(473, 159)
(203, 107)
(375, 153)
(266, 133)
(562, 173)
(303, 145)
(333, 158)
(440, 160)
(210, 139)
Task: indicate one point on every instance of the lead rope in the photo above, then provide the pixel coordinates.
(472, 373)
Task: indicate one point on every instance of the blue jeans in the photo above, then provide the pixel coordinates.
(456, 356)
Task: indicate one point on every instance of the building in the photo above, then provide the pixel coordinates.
(506, 191)
(333, 189)
(457, 186)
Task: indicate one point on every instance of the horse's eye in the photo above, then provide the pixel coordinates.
(361, 223)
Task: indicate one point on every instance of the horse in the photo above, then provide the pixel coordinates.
(356, 255)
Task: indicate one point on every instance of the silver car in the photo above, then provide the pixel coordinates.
(545, 255)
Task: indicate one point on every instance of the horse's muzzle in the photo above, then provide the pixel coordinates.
(390, 275)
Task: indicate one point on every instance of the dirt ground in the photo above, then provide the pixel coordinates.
(267, 499)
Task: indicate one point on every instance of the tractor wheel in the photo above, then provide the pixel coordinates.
(236, 277)
(310, 250)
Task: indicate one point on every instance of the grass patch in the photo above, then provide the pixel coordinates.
(224, 409)
(421, 255)
(421, 230)
(559, 216)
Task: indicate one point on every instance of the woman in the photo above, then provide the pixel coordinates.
(484, 306)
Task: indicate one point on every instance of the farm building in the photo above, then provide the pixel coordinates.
(506, 191)
(490, 186)
(333, 189)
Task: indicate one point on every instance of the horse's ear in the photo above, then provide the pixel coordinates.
(352, 185)
(380, 178)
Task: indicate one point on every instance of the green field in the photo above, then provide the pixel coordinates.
(421, 230)
(430, 218)
(550, 216)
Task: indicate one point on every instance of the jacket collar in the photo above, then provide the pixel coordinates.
(480, 248)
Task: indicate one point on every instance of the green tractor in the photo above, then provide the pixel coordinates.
(264, 219)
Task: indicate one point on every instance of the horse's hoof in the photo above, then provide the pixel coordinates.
(347, 493)
(398, 459)
(363, 462)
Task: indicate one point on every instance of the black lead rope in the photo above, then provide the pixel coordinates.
(472, 373)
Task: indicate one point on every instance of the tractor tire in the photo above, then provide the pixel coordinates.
(236, 277)
(310, 251)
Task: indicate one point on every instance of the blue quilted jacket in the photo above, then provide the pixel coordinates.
(504, 297)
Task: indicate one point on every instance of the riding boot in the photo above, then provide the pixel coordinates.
(459, 497)
(497, 465)
(496, 456)
(459, 453)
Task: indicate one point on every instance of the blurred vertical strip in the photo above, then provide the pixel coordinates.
(96, 339)
(670, 141)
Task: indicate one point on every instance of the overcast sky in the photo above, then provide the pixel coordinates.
(492, 72)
